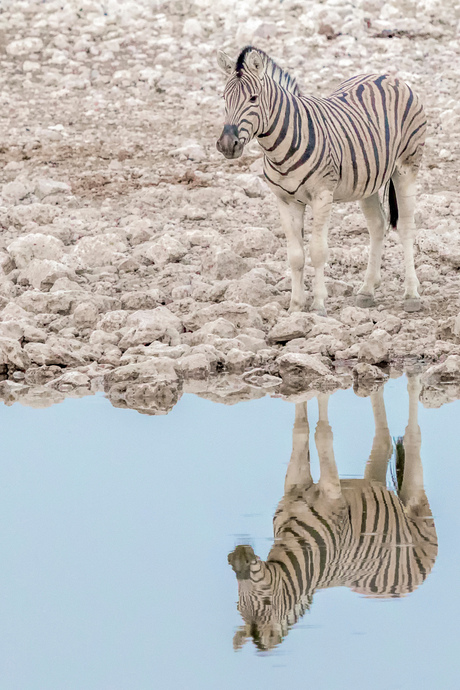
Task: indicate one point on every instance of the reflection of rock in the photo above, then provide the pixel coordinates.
(304, 372)
(441, 383)
(367, 379)
(151, 387)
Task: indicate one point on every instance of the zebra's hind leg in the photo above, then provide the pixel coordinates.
(404, 181)
(298, 475)
(372, 209)
(321, 207)
(329, 481)
(292, 215)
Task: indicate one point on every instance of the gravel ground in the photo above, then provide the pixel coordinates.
(135, 259)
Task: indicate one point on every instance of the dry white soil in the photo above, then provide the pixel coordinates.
(134, 258)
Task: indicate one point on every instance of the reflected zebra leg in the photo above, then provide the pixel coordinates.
(372, 209)
(404, 181)
(321, 207)
(292, 216)
(329, 482)
(412, 492)
(298, 473)
(382, 446)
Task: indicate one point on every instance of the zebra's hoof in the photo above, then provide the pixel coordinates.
(412, 304)
(321, 311)
(364, 301)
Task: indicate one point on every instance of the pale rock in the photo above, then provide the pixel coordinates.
(152, 387)
(223, 264)
(45, 187)
(296, 325)
(167, 249)
(53, 353)
(220, 327)
(241, 315)
(192, 151)
(14, 192)
(61, 302)
(43, 273)
(192, 27)
(339, 288)
(100, 250)
(113, 321)
(456, 326)
(100, 337)
(35, 246)
(254, 241)
(66, 285)
(376, 349)
(249, 289)
(353, 316)
(181, 292)
(70, 381)
(138, 300)
(24, 46)
(251, 184)
(147, 326)
(12, 354)
(32, 334)
(6, 263)
(300, 370)
(237, 361)
(85, 315)
(194, 366)
(391, 324)
(11, 330)
(42, 214)
(368, 378)
(445, 372)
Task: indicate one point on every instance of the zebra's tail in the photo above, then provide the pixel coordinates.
(397, 469)
(393, 204)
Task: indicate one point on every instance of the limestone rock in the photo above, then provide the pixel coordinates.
(375, 350)
(85, 315)
(296, 325)
(241, 315)
(102, 250)
(35, 246)
(12, 354)
(146, 326)
(43, 273)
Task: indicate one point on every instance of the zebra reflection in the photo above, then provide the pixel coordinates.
(355, 533)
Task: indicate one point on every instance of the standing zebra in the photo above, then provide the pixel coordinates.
(354, 532)
(366, 134)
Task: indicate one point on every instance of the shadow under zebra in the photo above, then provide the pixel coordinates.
(356, 533)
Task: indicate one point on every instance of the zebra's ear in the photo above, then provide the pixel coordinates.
(226, 64)
(240, 637)
(256, 63)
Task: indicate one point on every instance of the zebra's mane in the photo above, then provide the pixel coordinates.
(273, 70)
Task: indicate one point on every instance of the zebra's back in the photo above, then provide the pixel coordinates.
(368, 542)
(373, 122)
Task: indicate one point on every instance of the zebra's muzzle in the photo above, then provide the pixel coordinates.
(240, 559)
(229, 143)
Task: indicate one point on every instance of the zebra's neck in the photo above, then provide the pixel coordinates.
(288, 130)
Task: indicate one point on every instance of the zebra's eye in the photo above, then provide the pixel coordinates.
(253, 99)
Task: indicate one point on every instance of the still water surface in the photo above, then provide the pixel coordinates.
(115, 530)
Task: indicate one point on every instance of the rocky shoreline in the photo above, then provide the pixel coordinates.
(135, 260)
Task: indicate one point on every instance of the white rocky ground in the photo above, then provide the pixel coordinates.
(135, 259)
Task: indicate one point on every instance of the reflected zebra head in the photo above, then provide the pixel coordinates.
(245, 109)
(258, 590)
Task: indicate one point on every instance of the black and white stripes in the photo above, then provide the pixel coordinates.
(345, 147)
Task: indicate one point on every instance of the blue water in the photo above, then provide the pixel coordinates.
(114, 534)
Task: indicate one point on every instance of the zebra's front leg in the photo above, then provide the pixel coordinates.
(292, 214)
(372, 209)
(321, 207)
(404, 182)
(329, 481)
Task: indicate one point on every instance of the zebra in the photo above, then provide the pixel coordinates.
(355, 533)
(367, 135)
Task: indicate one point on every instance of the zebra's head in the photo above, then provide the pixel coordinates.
(245, 114)
(257, 602)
